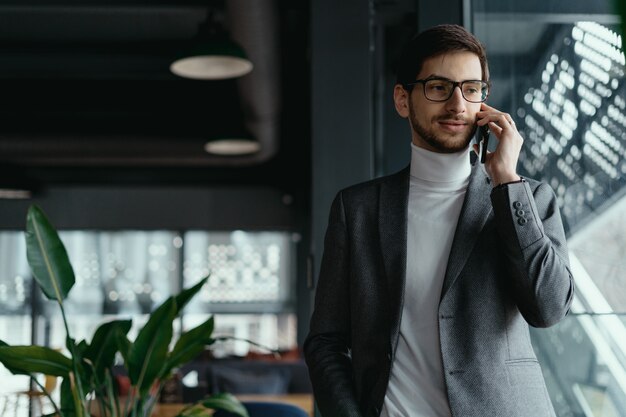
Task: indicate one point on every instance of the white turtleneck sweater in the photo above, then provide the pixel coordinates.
(437, 188)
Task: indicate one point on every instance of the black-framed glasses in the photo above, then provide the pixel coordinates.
(441, 89)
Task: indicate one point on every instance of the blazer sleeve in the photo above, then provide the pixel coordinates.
(533, 240)
(327, 346)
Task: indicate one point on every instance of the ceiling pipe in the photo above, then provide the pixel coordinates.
(254, 25)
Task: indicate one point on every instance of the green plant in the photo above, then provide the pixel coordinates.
(87, 385)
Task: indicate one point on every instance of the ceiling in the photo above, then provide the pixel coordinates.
(87, 94)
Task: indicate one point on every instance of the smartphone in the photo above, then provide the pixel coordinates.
(483, 142)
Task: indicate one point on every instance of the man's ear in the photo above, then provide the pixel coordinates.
(401, 100)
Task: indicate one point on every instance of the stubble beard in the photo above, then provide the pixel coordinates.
(451, 145)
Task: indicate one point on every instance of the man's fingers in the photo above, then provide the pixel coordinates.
(495, 128)
(502, 120)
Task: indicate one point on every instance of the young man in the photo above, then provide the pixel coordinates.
(431, 276)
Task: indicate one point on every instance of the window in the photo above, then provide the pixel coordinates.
(560, 71)
(121, 274)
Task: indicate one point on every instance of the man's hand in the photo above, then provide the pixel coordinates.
(501, 165)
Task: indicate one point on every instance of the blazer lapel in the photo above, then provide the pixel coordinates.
(474, 213)
(392, 225)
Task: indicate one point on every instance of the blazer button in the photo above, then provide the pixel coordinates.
(517, 205)
(522, 221)
(520, 213)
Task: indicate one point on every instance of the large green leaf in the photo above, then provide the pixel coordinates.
(26, 360)
(147, 355)
(104, 345)
(67, 398)
(190, 345)
(226, 402)
(195, 410)
(184, 296)
(47, 256)
(13, 371)
(149, 351)
(123, 346)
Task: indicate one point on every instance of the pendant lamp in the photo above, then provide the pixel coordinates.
(213, 55)
(232, 145)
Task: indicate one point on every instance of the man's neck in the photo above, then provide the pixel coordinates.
(439, 167)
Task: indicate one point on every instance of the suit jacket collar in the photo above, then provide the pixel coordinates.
(392, 222)
(474, 213)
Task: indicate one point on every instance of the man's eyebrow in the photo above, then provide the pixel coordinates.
(441, 77)
(435, 76)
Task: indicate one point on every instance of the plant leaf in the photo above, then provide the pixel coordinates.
(104, 345)
(67, 398)
(184, 296)
(79, 405)
(123, 345)
(226, 402)
(47, 256)
(25, 360)
(195, 410)
(190, 345)
(149, 351)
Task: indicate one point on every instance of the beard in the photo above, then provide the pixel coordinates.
(451, 145)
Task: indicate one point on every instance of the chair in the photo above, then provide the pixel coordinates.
(267, 409)
(18, 401)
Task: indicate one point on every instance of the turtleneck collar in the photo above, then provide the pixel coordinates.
(443, 168)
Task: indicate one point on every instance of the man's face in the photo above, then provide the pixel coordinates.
(448, 126)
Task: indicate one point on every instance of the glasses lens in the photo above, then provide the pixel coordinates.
(438, 90)
(475, 91)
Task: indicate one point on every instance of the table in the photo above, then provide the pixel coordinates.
(304, 401)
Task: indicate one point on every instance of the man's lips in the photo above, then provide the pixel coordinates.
(453, 125)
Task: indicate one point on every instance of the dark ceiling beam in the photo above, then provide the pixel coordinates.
(89, 25)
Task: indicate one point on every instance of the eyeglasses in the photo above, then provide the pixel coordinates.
(441, 89)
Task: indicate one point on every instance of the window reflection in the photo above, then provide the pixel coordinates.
(563, 80)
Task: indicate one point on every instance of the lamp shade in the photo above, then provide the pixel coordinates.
(232, 145)
(15, 184)
(212, 59)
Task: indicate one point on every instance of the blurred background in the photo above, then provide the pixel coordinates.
(157, 178)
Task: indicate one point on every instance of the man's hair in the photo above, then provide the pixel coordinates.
(436, 41)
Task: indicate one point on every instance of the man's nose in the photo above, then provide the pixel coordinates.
(456, 103)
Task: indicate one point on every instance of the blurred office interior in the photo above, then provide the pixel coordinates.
(96, 129)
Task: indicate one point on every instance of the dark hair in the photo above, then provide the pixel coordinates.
(436, 41)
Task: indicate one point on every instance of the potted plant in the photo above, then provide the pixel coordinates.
(87, 386)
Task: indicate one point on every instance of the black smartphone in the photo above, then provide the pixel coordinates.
(483, 141)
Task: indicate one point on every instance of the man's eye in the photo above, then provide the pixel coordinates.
(438, 86)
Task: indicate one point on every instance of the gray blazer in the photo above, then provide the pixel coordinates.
(508, 268)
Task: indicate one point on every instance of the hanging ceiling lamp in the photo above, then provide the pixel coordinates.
(213, 56)
(232, 145)
(15, 184)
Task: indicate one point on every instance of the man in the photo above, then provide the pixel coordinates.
(431, 276)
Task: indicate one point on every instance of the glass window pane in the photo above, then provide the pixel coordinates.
(15, 307)
(248, 271)
(559, 70)
(271, 331)
(118, 275)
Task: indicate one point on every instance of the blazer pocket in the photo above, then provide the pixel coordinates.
(528, 389)
(526, 372)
